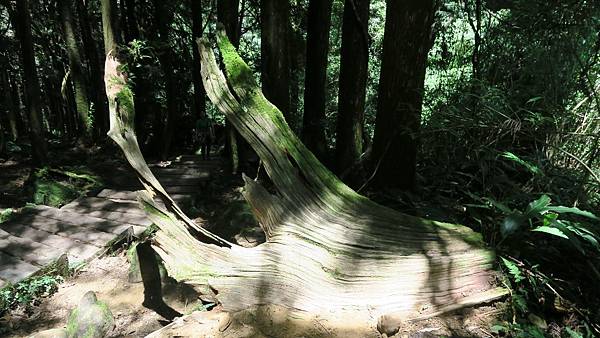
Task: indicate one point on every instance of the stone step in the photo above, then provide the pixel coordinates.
(129, 218)
(80, 233)
(84, 204)
(165, 180)
(181, 171)
(27, 250)
(180, 199)
(85, 221)
(188, 190)
(188, 157)
(76, 249)
(13, 269)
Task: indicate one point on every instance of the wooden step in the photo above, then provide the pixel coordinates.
(13, 269)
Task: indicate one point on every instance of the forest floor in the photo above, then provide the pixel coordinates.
(220, 207)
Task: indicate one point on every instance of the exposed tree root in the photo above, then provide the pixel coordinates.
(329, 250)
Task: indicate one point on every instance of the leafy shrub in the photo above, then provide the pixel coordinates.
(26, 292)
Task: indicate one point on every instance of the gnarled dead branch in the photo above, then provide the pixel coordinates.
(329, 250)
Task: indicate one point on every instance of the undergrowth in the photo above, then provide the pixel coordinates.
(27, 293)
(538, 210)
(56, 187)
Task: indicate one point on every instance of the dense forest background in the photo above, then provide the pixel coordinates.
(482, 112)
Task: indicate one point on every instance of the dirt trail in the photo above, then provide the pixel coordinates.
(108, 278)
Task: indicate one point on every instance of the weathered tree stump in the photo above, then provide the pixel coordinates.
(329, 250)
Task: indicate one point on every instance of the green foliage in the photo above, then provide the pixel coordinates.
(5, 215)
(518, 330)
(530, 167)
(513, 269)
(56, 187)
(25, 293)
(49, 192)
(541, 216)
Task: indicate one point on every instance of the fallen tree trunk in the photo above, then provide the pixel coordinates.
(329, 250)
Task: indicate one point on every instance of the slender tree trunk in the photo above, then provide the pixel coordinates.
(144, 98)
(134, 31)
(163, 19)
(17, 98)
(406, 43)
(354, 61)
(10, 106)
(32, 86)
(199, 94)
(315, 85)
(82, 103)
(227, 14)
(275, 27)
(110, 26)
(124, 24)
(55, 104)
(297, 58)
(95, 70)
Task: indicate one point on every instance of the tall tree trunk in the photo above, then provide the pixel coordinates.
(82, 103)
(10, 106)
(163, 16)
(17, 98)
(227, 14)
(199, 94)
(110, 26)
(144, 95)
(274, 48)
(354, 61)
(315, 83)
(406, 43)
(124, 24)
(95, 70)
(133, 29)
(297, 58)
(32, 86)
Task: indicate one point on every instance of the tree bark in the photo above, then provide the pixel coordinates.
(199, 94)
(329, 252)
(315, 85)
(406, 43)
(32, 86)
(10, 106)
(163, 16)
(110, 27)
(82, 103)
(95, 70)
(274, 48)
(354, 61)
(227, 14)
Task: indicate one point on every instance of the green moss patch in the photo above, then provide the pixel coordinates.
(57, 187)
